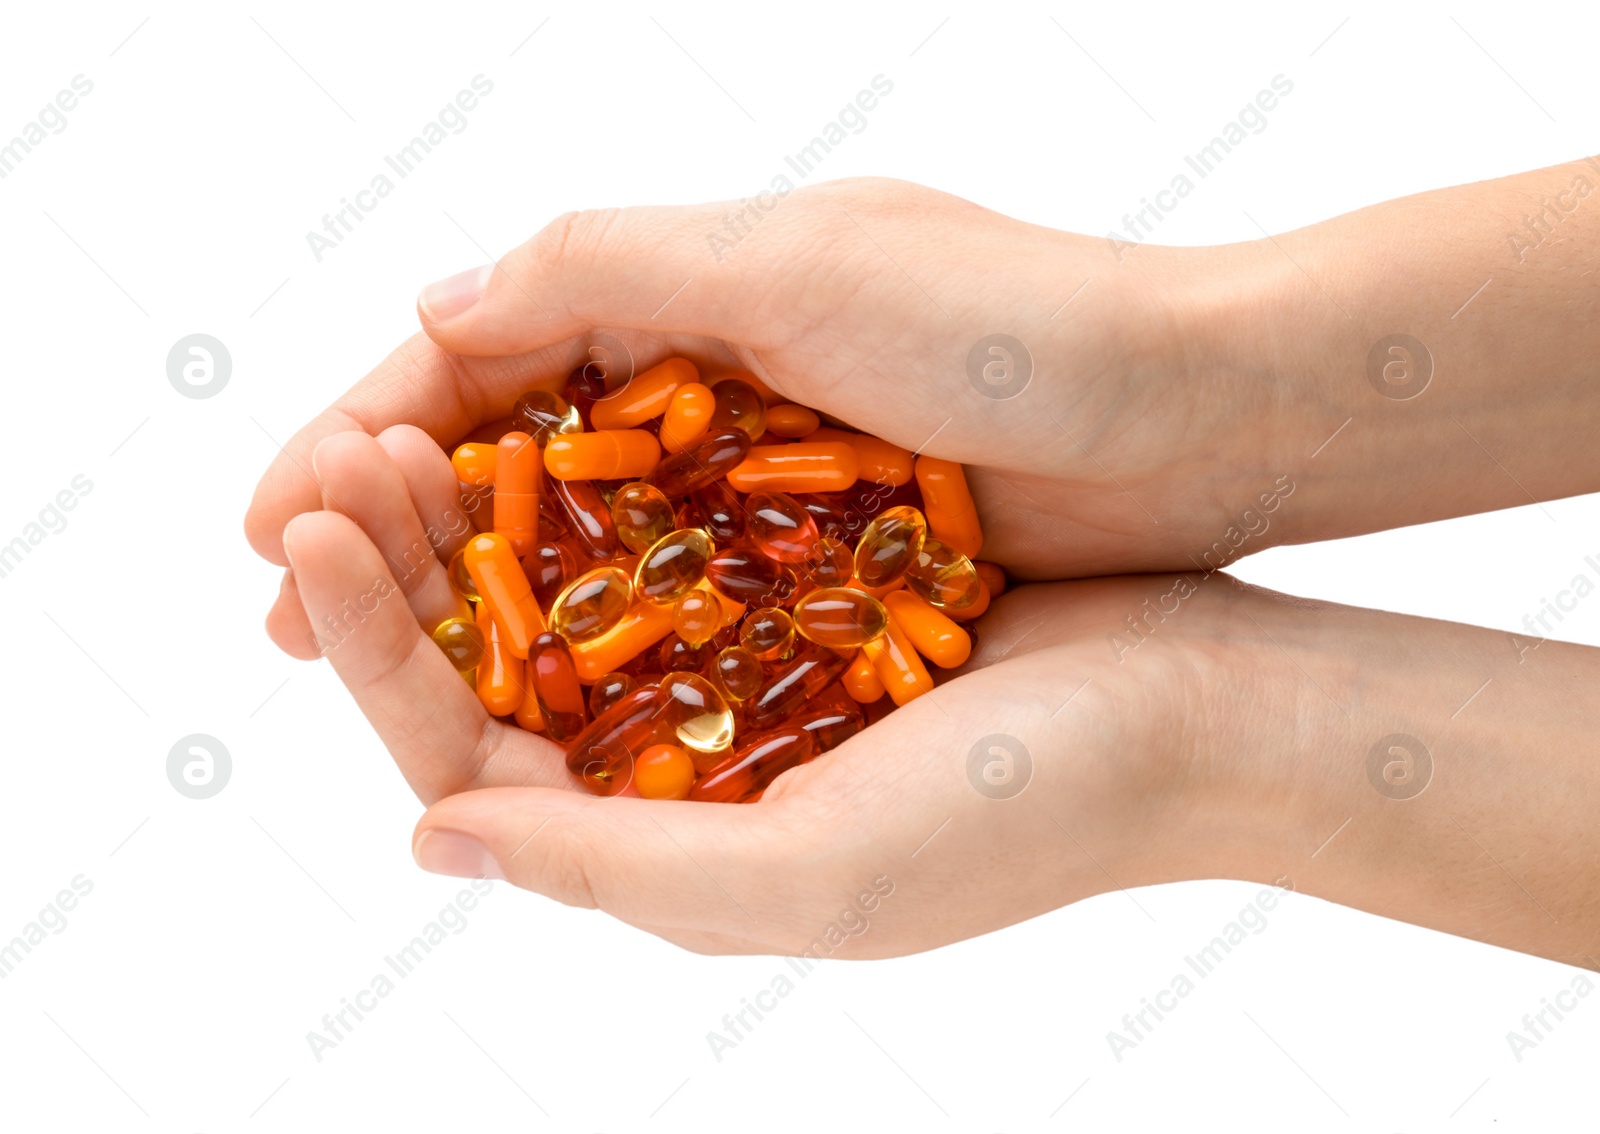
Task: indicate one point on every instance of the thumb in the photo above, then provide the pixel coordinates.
(703, 867)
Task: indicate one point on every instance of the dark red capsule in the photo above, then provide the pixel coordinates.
(721, 511)
(702, 463)
(549, 567)
(588, 516)
(755, 764)
(747, 576)
(555, 685)
(602, 755)
(678, 656)
(832, 726)
(801, 679)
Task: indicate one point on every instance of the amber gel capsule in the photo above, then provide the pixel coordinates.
(697, 616)
(542, 415)
(642, 515)
(943, 576)
(672, 567)
(830, 563)
(840, 618)
(499, 579)
(767, 633)
(740, 404)
(737, 673)
(780, 527)
(555, 684)
(462, 642)
(889, 546)
(516, 491)
(707, 460)
(722, 513)
(755, 764)
(692, 711)
(549, 567)
(797, 682)
(607, 454)
(603, 753)
(747, 576)
(588, 516)
(607, 691)
(592, 604)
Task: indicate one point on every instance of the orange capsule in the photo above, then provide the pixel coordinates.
(968, 613)
(516, 491)
(898, 666)
(792, 420)
(663, 771)
(647, 396)
(500, 675)
(498, 577)
(861, 681)
(474, 463)
(827, 466)
(527, 714)
(943, 576)
(606, 454)
(877, 461)
(641, 627)
(933, 634)
(688, 416)
(993, 576)
(840, 618)
(947, 502)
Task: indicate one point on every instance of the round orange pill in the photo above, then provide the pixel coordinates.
(663, 771)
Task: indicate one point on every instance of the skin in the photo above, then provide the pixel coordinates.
(1228, 735)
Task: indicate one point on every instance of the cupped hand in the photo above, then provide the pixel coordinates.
(1116, 448)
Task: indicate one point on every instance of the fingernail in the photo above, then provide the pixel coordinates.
(447, 298)
(455, 854)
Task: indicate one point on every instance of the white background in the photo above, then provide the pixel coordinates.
(219, 932)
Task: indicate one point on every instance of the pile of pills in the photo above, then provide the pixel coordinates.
(694, 587)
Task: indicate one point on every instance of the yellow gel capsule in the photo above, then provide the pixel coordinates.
(591, 604)
(461, 641)
(642, 514)
(697, 617)
(840, 618)
(695, 712)
(460, 579)
(767, 633)
(889, 546)
(673, 566)
(943, 576)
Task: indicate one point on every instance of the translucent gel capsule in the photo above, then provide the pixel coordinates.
(747, 576)
(543, 415)
(606, 454)
(498, 577)
(968, 613)
(647, 396)
(739, 404)
(673, 566)
(947, 502)
(737, 673)
(943, 576)
(549, 567)
(721, 512)
(641, 627)
(829, 563)
(866, 502)
(642, 515)
(592, 604)
(798, 681)
(555, 685)
(830, 725)
(933, 634)
(678, 656)
(707, 460)
(602, 755)
(840, 618)
(663, 771)
(460, 579)
(877, 461)
(588, 516)
(462, 642)
(688, 416)
(696, 616)
(768, 633)
(791, 420)
(516, 491)
(592, 381)
(825, 513)
(694, 712)
(754, 764)
(607, 691)
(889, 546)
(828, 466)
(779, 526)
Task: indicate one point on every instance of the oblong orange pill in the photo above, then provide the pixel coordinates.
(500, 675)
(861, 681)
(474, 463)
(827, 466)
(947, 503)
(641, 627)
(688, 416)
(898, 666)
(527, 713)
(968, 613)
(516, 491)
(498, 575)
(791, 420)
(877, 460)
(647, 396)
(606, 454)
(935, 636)
(993, 576)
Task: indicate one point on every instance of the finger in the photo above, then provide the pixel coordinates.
(435, 492)
(287, 625)
(360, 481)
(700, 868)
(431, 721)
(418, 384)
